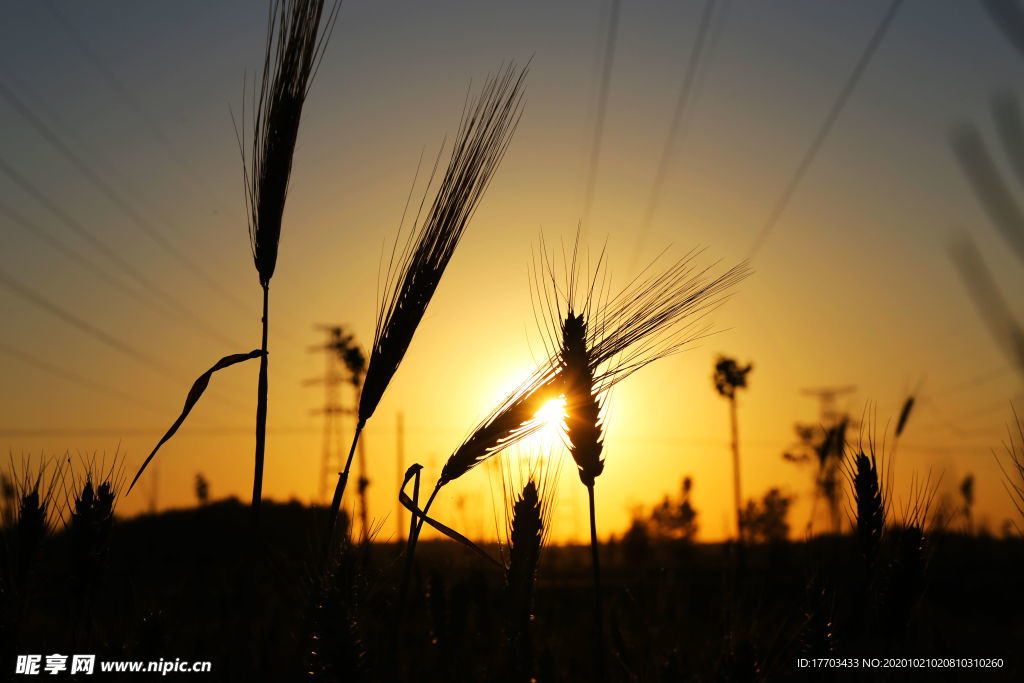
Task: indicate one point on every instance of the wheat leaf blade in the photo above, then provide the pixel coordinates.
(406, 501)
(194, 394)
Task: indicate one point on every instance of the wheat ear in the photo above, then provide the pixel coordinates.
(488, 123)
(297, 34)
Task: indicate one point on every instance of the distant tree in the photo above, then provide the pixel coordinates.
(729, 377)
(967, 493)
(766, 522)
(672, 519)
(637, 540)
(7, 499)
(202, 489)
(824, 447)
(675, 519)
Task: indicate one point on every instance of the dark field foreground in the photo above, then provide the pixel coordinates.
(187, 585)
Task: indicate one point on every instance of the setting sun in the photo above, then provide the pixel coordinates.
(552, 414)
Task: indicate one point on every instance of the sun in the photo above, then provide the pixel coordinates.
(551, 415)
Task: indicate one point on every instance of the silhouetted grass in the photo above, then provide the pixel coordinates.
(414, 272)
(297, 34)
(598, 339)
(1013, 473)
(180, 584)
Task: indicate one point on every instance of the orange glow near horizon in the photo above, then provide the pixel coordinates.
(855, 285)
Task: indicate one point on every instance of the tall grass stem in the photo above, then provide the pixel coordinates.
(261, 414)
(414, 534)
(736, 470)
(598, 610)
(339, 490)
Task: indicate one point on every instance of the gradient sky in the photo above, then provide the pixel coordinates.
(854, 285)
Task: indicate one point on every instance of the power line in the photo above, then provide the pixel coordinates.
(980, 379)
(133, 104)
(718, 29)
(719, 19)
(183, 312)
(677, 117)
(75, 378)
(117, 200)
(960, 387)
(826, 127)
(35, 230)
(66, 316)
(97, 154)
(986, 410)
(602, 106)
(38, 300)
(69, 132)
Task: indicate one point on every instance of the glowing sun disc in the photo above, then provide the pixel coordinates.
(552, 413)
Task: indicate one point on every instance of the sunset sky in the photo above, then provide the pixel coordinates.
(115, 122)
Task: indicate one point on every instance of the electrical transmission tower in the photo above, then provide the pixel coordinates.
(346, 364)
(333, 409)
(830, 449)
(828, 410)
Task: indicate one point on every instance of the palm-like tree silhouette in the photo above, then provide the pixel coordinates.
(730, 376)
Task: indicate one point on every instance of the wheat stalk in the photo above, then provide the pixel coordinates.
(91, 499)
(527, 517)
(584, 432)
(297, 34)
(512, 420)
(869, 489)
(610, 337)
(909, 569)
(487, 125)
(599, 339)
(652, 317)
(539, 472)
(656, 314)
(32, 510)
(29, 507)
(584, 427)
(525, 530)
